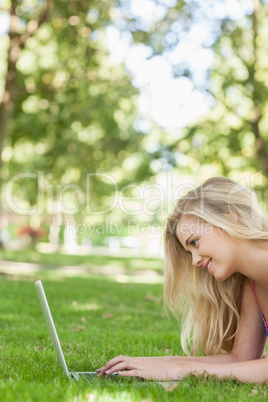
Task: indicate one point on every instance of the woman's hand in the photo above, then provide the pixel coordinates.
(149, 368)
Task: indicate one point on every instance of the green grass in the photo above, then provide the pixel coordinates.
(97, 318)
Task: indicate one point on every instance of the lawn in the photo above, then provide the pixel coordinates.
(98, 316)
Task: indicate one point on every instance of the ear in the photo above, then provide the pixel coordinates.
(233, 215)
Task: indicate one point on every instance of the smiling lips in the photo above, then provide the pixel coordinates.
(208, 264)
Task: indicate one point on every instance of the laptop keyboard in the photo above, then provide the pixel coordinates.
(88, 375)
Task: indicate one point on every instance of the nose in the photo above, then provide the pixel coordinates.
(196, 260)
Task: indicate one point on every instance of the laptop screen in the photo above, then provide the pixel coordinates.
(51, 326)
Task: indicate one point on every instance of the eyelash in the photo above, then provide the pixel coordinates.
(193, 243)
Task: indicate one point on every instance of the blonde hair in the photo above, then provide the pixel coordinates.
(209, 309)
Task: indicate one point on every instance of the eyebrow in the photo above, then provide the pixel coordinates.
(187, 240)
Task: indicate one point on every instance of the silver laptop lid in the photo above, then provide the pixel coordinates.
(51, 326)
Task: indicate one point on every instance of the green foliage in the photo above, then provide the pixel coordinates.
(74, 111)
(232, 138)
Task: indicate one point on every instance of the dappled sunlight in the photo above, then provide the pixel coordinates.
(106, 396)
(148, 277)
(85, 306)
(18, 268)
(46, 248)
(145, 264)
(114, 272)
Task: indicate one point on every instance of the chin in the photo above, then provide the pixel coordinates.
(220, 277)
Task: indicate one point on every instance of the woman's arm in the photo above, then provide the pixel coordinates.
(254, 371)
(242, 362)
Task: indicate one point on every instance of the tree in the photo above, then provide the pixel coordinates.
(74, 111)
(17, 41)
(233, 136)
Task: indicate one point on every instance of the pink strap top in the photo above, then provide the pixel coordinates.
(262, 315)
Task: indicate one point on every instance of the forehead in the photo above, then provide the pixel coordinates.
(188, 226)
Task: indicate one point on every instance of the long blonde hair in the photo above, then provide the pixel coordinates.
(209, 309)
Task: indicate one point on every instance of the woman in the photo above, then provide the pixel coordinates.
(216, 281)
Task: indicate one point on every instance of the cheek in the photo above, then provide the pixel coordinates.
(224, 241)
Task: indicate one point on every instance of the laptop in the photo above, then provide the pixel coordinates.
(89, 375)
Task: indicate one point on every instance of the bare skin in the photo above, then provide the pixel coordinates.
(245, 361)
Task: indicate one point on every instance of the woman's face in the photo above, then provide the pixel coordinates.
(211, 248)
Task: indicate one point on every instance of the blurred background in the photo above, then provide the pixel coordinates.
(111, 110)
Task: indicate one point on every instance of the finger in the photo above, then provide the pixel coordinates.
(131, 373)
(120, 366)
(111, 363)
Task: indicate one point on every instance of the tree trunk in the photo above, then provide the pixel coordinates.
(17, 42)
(257, 113)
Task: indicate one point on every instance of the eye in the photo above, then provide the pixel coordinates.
(194, 243)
